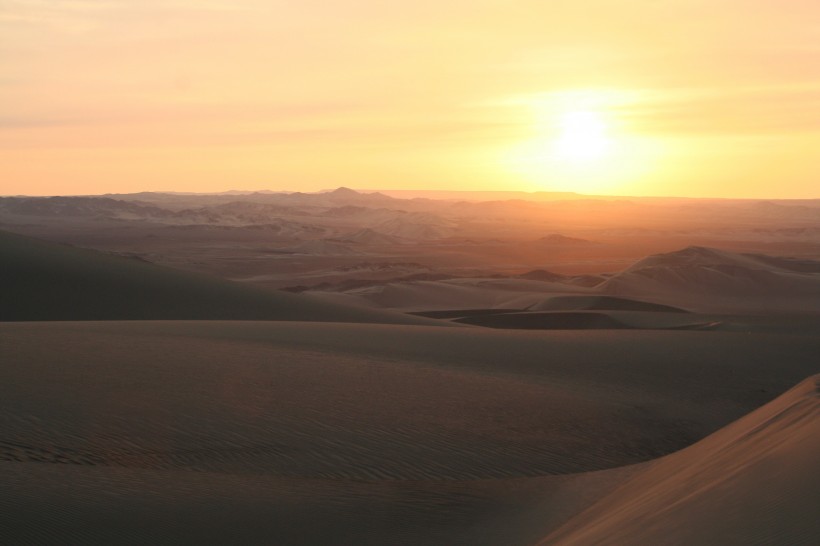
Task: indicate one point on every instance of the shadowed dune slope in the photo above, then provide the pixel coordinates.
(46, 281)
(54, 504)
(756, 481)
(374, 401)
(547, 321)
(168, 432)
(590, 320)
(600, 303)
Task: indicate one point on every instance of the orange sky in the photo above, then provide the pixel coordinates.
(690, 97)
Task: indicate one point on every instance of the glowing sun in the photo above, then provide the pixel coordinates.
(582, 137)
(581, 140)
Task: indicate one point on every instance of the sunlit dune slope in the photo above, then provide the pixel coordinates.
(45, 281)
(756, 481)
(711, 280)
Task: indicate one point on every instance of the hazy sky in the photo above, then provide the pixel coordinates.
(675, 97)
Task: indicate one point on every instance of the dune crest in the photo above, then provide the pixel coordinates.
(754, 482)
(716, 281)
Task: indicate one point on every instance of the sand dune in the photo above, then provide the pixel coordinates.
(461, 294)
(417, 226)
(696, 279)
(600, 303)
(589, 320)
(58, 504)
(585, 313)
(428, 295)
(367, 236)
(169, 432)
(718, 281)
(322, 248)
(45, 281)
(283, 397)
(754, 482)
(546, 321)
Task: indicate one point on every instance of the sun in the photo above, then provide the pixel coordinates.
(583, 137)
(580, 140)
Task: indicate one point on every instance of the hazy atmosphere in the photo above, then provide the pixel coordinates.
(679, 97)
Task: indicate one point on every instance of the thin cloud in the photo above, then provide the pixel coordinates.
(742, 111)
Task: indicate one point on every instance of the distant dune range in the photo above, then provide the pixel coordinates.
(58, 282)
(46, 281)
(696, 279)
(141, 404)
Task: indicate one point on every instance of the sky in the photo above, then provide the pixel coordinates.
(694, 98)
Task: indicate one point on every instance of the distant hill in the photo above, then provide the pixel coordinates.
(417, 226)
(80, 206)
(556, 239)
(480, 195)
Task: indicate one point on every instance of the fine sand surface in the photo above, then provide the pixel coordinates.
(328, 433)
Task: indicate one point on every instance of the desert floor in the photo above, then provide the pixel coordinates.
(408, 388)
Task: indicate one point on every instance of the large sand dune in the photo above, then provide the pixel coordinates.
(712, 280)
(306, 433)
(46, 281)
(754, 482)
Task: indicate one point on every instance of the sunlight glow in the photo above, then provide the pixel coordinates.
(583, 137)
(100, 96)
(581, 142)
